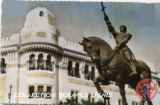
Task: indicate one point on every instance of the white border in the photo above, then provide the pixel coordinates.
(130, 1)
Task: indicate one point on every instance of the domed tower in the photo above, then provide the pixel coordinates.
(39, 48)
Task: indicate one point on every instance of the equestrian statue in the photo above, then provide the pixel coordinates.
(117, 65)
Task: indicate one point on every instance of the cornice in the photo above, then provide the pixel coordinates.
(45, 47)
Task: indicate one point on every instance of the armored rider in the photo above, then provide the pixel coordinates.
(121, 38)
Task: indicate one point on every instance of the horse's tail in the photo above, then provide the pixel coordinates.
(145, 70)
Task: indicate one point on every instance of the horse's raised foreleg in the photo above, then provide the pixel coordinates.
(123, 94)
(100, 90)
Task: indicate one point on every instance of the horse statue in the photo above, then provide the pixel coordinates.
(116, 70)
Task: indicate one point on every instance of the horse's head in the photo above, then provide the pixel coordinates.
(95, 47)
(88, 47)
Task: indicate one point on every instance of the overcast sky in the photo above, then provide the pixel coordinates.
(77, 19)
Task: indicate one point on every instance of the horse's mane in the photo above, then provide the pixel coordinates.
(99, 41)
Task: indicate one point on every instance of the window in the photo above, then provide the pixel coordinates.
(41, 13)
(77, 70)
(89, 98)
(49, 91)
(86, 72)
(74, 96)
(48, 63)
(40, 62)
(70, 68)
(40, 91)
(31, 91)
(32, 62)
(92, 74)
(3, 66)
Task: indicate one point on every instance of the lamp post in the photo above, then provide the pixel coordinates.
(57, 64)
(18, 67)
(57, 81)
(10, 93)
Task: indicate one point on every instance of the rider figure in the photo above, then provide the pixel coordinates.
(121, 39)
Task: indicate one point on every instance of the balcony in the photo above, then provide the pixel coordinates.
(41, 66)
(80, 81)
(41, 69)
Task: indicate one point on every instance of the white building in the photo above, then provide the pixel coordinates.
(39, 60)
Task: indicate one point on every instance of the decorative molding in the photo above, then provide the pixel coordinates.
(41, 73)
(46, 47)
(80, 81)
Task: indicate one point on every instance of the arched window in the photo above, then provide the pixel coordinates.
(77, 70)
(32, 62)
(86, 72)
(48, 63)
(49, 91)
(40, 62)
(41, 13)
(31, 91)
(40, 90)
(92, 74)
(70, 68)
(3, 65)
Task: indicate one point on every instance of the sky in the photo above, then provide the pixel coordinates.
(77, 19)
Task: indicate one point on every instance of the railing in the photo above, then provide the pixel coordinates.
(74, 75)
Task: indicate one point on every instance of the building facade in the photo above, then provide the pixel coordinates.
(38, 65)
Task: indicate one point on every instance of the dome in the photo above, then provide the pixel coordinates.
(39, 26)
(38, 20)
